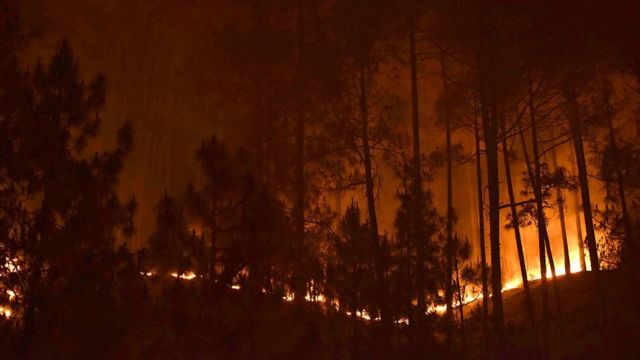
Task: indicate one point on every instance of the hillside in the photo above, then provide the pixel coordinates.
(575, 329)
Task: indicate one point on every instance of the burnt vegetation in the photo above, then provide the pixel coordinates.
(282, 246)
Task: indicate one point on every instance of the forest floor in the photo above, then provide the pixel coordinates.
(578, 328)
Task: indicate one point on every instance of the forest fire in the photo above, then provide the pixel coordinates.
(261, 179)
(190, 275)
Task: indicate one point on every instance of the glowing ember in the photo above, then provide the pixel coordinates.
(363, 315)
(315, 298)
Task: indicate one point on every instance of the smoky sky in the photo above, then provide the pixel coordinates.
(156, 55)
(159, 60)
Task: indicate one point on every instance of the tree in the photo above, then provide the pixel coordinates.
(364, 126)
(171, 247)
(515, 222)
(74, 216)
(350, 276)
(419, 257)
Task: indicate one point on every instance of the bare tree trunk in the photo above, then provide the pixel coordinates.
(563, 229)
(450, 246)
(355, 345)
(460, 291)
(542, 233)
(543, 229)
(418, 233)
(371, 209)
(530, 171)
(584, 183)
(563, 225)
(481, 230)
(299, 280)
(214, 234)
(490, 127)
(261, 145)
(515, 224)
(547, 243)
(586, 198)
(32, 300)
(628, 243)
(583, 265)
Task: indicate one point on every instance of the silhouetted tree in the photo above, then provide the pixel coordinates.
(66, 243)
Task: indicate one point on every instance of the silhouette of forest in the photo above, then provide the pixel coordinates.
(338, 113)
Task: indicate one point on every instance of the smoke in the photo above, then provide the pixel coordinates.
(156, 55)
(158, 58)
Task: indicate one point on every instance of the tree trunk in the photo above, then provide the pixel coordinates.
(515, 224)
(481, 230)
(460, 290)
(563, 225)
(418, 233)
(583, 265)
(450, 246)
(531, 173)
(490, 128)
(299, 281)
(628, 243)
(581, 162)
(542, 229)
(584, 183)
(563, 228)
(214, 233)
(371, 209)
(32, 301)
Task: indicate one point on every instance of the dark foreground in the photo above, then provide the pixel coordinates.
(239, 326)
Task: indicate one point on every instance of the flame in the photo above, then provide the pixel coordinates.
(363, 314)
(470, 295)
(533, 272)
(6, 312)
(189, 275)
